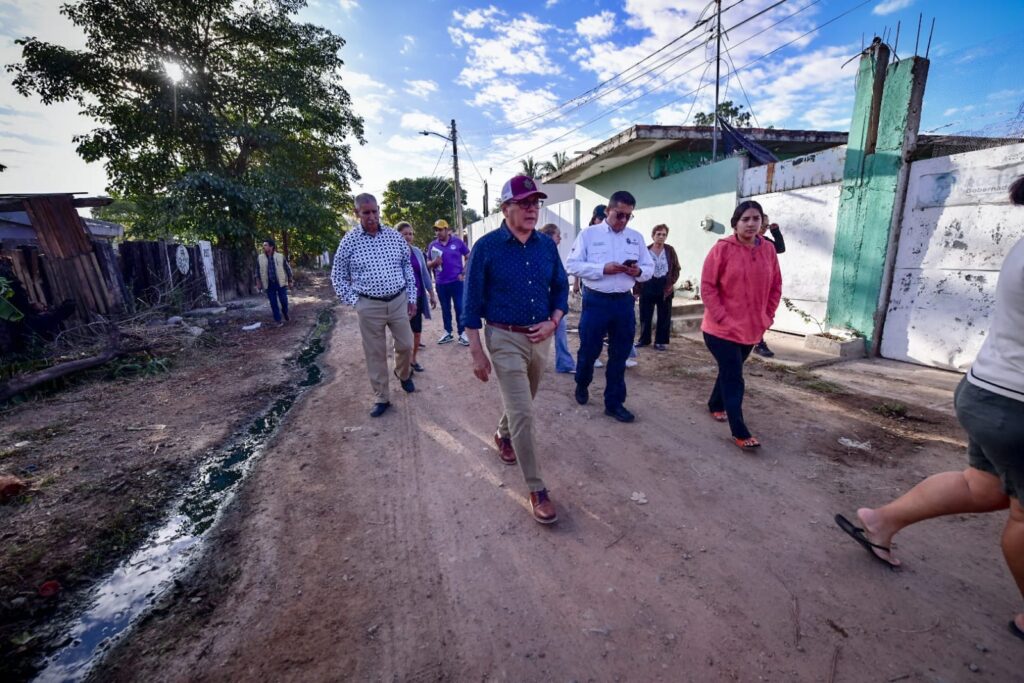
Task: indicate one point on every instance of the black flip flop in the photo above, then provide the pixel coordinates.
(1015, 630)
(857, 534)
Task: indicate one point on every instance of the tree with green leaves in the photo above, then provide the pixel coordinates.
(732, 113)
(420, 201)
(559, 160)
(529, 167)
(217, 119)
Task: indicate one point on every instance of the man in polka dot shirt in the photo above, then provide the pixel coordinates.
(372, 272)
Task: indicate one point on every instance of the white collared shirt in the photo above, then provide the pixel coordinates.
(598, 245)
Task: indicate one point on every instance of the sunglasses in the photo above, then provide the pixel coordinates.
(620, 215)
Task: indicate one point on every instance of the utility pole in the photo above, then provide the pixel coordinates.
(487, 201)
(459, 222)
(718, 78)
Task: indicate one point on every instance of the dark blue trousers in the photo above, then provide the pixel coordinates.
(451, 293)
(277, 293)
(612, 315)
(728, 392)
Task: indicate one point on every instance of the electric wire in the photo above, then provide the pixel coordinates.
(692, 92)
(750, 107)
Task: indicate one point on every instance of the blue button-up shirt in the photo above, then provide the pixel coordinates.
(513, 282)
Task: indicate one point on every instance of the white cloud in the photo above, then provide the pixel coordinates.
(348, 5)
(421, 88)
(515, 103)
(408, 43)
(952, 111)
(499, 45)
(417, 121)
(889, 6)
(550, 3)
(597, 26)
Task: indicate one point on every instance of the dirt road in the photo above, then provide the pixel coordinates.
(401, 548)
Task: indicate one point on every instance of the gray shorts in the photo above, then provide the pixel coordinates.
(995, 434)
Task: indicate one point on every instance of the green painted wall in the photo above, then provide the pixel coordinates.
(680, 201)
(870, 193)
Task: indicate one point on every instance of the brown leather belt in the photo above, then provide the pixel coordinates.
(514, 328)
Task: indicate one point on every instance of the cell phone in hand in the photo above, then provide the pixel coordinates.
(629, 263)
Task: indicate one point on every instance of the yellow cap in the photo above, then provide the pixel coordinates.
(441, 223)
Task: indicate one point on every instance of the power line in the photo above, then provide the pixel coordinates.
(438, 162)
(692, 92)
(466, 147)
(750, 107)
(585, 93)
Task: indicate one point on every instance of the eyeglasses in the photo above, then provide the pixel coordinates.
(529, 203)
(621, 215)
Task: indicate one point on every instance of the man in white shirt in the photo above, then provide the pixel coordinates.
(373, 273)
(609, 258)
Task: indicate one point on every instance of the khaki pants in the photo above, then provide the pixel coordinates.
(374, 317)
(519, 365)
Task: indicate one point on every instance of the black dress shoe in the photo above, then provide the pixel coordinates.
(417, 367)
(620, 414)
(380, 408)
(582, 395)
(406, 383)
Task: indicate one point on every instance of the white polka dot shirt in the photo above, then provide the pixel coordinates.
(372, 265)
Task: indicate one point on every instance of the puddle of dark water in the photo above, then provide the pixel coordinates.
(142, 579)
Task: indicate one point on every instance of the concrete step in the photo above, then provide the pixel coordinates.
(683, 324)
(683, 307)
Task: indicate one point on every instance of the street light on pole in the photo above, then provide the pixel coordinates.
(459, 221)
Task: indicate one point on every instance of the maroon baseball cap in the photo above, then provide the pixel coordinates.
(520, 187)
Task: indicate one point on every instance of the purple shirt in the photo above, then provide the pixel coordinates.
(451, 259)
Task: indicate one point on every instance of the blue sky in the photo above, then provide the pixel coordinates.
(502, 69)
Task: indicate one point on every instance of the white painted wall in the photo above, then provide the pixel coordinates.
(958, 226)
(802, 196)
(563, 214)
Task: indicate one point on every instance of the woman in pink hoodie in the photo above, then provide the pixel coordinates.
(741, 286)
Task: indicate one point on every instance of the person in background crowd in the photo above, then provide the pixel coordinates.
(564, 362)
(516, 283)
(373, 273)
(447, 258)
(599, 214)
(275, 280)
(657, 293)
(424, 290)
(779, 243)
(610, 258)
(741, 286)
(990, 405)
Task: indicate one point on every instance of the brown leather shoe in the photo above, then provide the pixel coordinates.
(543, 509)
(505, 450)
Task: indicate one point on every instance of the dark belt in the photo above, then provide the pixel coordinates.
(607, 295)
(514, 328)
(382, 298)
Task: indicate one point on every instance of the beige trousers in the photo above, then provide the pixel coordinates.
(518, 365)
(374, 317)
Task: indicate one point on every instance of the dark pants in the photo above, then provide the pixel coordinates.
(728, 392)
(652, 297)
(276, 293)
(610, 314)
(450, 293)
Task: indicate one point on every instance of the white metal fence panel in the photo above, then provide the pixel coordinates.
(566, 215)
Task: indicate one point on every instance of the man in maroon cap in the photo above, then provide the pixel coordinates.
(516, 283)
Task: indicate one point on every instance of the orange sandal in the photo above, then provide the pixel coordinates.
(719, 416)
(748, 444)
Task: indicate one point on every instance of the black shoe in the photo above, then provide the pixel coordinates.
(417, 367)
(762, 350)
(640, 345)
(620, 414)
(406, 383)
(661, 347)
(582, 395)
(380, 408)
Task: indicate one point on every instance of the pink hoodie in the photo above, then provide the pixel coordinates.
(741, 287)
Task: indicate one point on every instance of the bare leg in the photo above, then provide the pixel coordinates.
(947, 493)
(415, 346)
(1013, 549)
